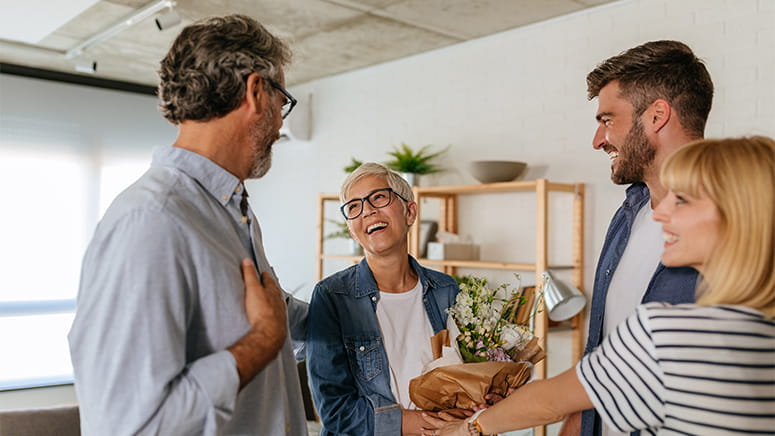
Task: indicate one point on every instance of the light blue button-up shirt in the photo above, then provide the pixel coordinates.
(161, 298)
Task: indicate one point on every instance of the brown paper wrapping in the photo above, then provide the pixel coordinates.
(532, 353)
(440, 339)
(464, 386)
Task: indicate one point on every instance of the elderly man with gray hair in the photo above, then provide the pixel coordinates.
(166, 340)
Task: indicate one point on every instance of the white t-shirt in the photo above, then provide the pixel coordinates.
(685, 369)
(636, 267)
(632, 276)
(406, 331)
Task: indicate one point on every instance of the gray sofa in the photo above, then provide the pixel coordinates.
(55, 421)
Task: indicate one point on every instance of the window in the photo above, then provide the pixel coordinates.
(53, 198)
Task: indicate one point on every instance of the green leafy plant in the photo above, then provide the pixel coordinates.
(354, 164)
(341, 230)
(406, 160)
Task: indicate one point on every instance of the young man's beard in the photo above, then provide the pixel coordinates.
(635, 156)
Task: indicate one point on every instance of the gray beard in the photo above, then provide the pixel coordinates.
(261, 165)
(262, 149)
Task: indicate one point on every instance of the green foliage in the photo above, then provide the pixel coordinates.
(354, 164)
(406, 160)
(468, 354)
(470, 280)
(341, 230)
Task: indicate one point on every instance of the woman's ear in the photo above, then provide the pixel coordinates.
(411, 212)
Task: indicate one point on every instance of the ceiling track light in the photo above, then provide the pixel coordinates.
(167, 19)
(126, 22)
(88, 66)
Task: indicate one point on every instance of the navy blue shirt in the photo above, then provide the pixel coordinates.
(671, 285)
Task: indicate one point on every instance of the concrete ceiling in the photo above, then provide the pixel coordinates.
(328, 37)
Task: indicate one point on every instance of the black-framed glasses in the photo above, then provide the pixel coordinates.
(377, 198)
(290, 102)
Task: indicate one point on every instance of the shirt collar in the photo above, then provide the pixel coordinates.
(636, 193)
(366, 285)
(220, 183)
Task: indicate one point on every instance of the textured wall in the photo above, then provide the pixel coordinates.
(516, 95)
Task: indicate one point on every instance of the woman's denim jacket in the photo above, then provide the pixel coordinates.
(346, 359)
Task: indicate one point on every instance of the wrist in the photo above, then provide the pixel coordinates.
(474, 428)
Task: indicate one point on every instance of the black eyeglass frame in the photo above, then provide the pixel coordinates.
(287, 95)
(367, 198)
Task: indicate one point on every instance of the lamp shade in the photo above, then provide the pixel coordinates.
(561, 300)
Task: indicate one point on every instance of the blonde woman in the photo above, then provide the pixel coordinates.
(705, 368)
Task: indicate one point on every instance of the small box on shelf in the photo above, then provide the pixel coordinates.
(452, 251)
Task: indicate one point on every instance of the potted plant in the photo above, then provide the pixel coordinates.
(411, 163)
(354, 164)
(343, 232)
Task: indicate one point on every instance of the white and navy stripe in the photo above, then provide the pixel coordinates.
(686, 369)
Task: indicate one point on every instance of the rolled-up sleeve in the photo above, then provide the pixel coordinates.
(129, 341)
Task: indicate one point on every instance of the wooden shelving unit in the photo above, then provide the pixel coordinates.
(321, 256)
(448, 221)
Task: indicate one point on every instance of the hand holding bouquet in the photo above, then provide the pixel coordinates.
(492, 349)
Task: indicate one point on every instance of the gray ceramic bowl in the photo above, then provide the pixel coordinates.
(493, 171)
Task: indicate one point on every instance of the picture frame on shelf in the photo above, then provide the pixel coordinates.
(428, 230)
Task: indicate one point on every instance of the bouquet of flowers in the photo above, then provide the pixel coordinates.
(487, 321)
(491, 348)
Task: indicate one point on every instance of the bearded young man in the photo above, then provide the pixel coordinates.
(652, 100)
(166, 340)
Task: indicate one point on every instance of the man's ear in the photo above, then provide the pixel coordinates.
(254, 93)
(658, 114)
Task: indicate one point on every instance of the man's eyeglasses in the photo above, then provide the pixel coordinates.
(290, 102)
(377, 198)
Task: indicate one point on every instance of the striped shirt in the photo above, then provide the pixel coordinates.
(686, 369)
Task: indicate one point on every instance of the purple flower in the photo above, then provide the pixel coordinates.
(497, 355)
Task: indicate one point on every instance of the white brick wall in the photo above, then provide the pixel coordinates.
(516, 95)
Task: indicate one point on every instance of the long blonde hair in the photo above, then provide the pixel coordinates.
(738, 176)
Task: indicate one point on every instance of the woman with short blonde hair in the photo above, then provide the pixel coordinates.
(369, 326)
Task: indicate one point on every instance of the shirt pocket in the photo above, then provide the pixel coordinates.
(365, 355)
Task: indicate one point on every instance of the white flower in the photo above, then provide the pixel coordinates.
(514, 335)
(481, 323)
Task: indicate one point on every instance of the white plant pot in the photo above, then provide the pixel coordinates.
(411, 178)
